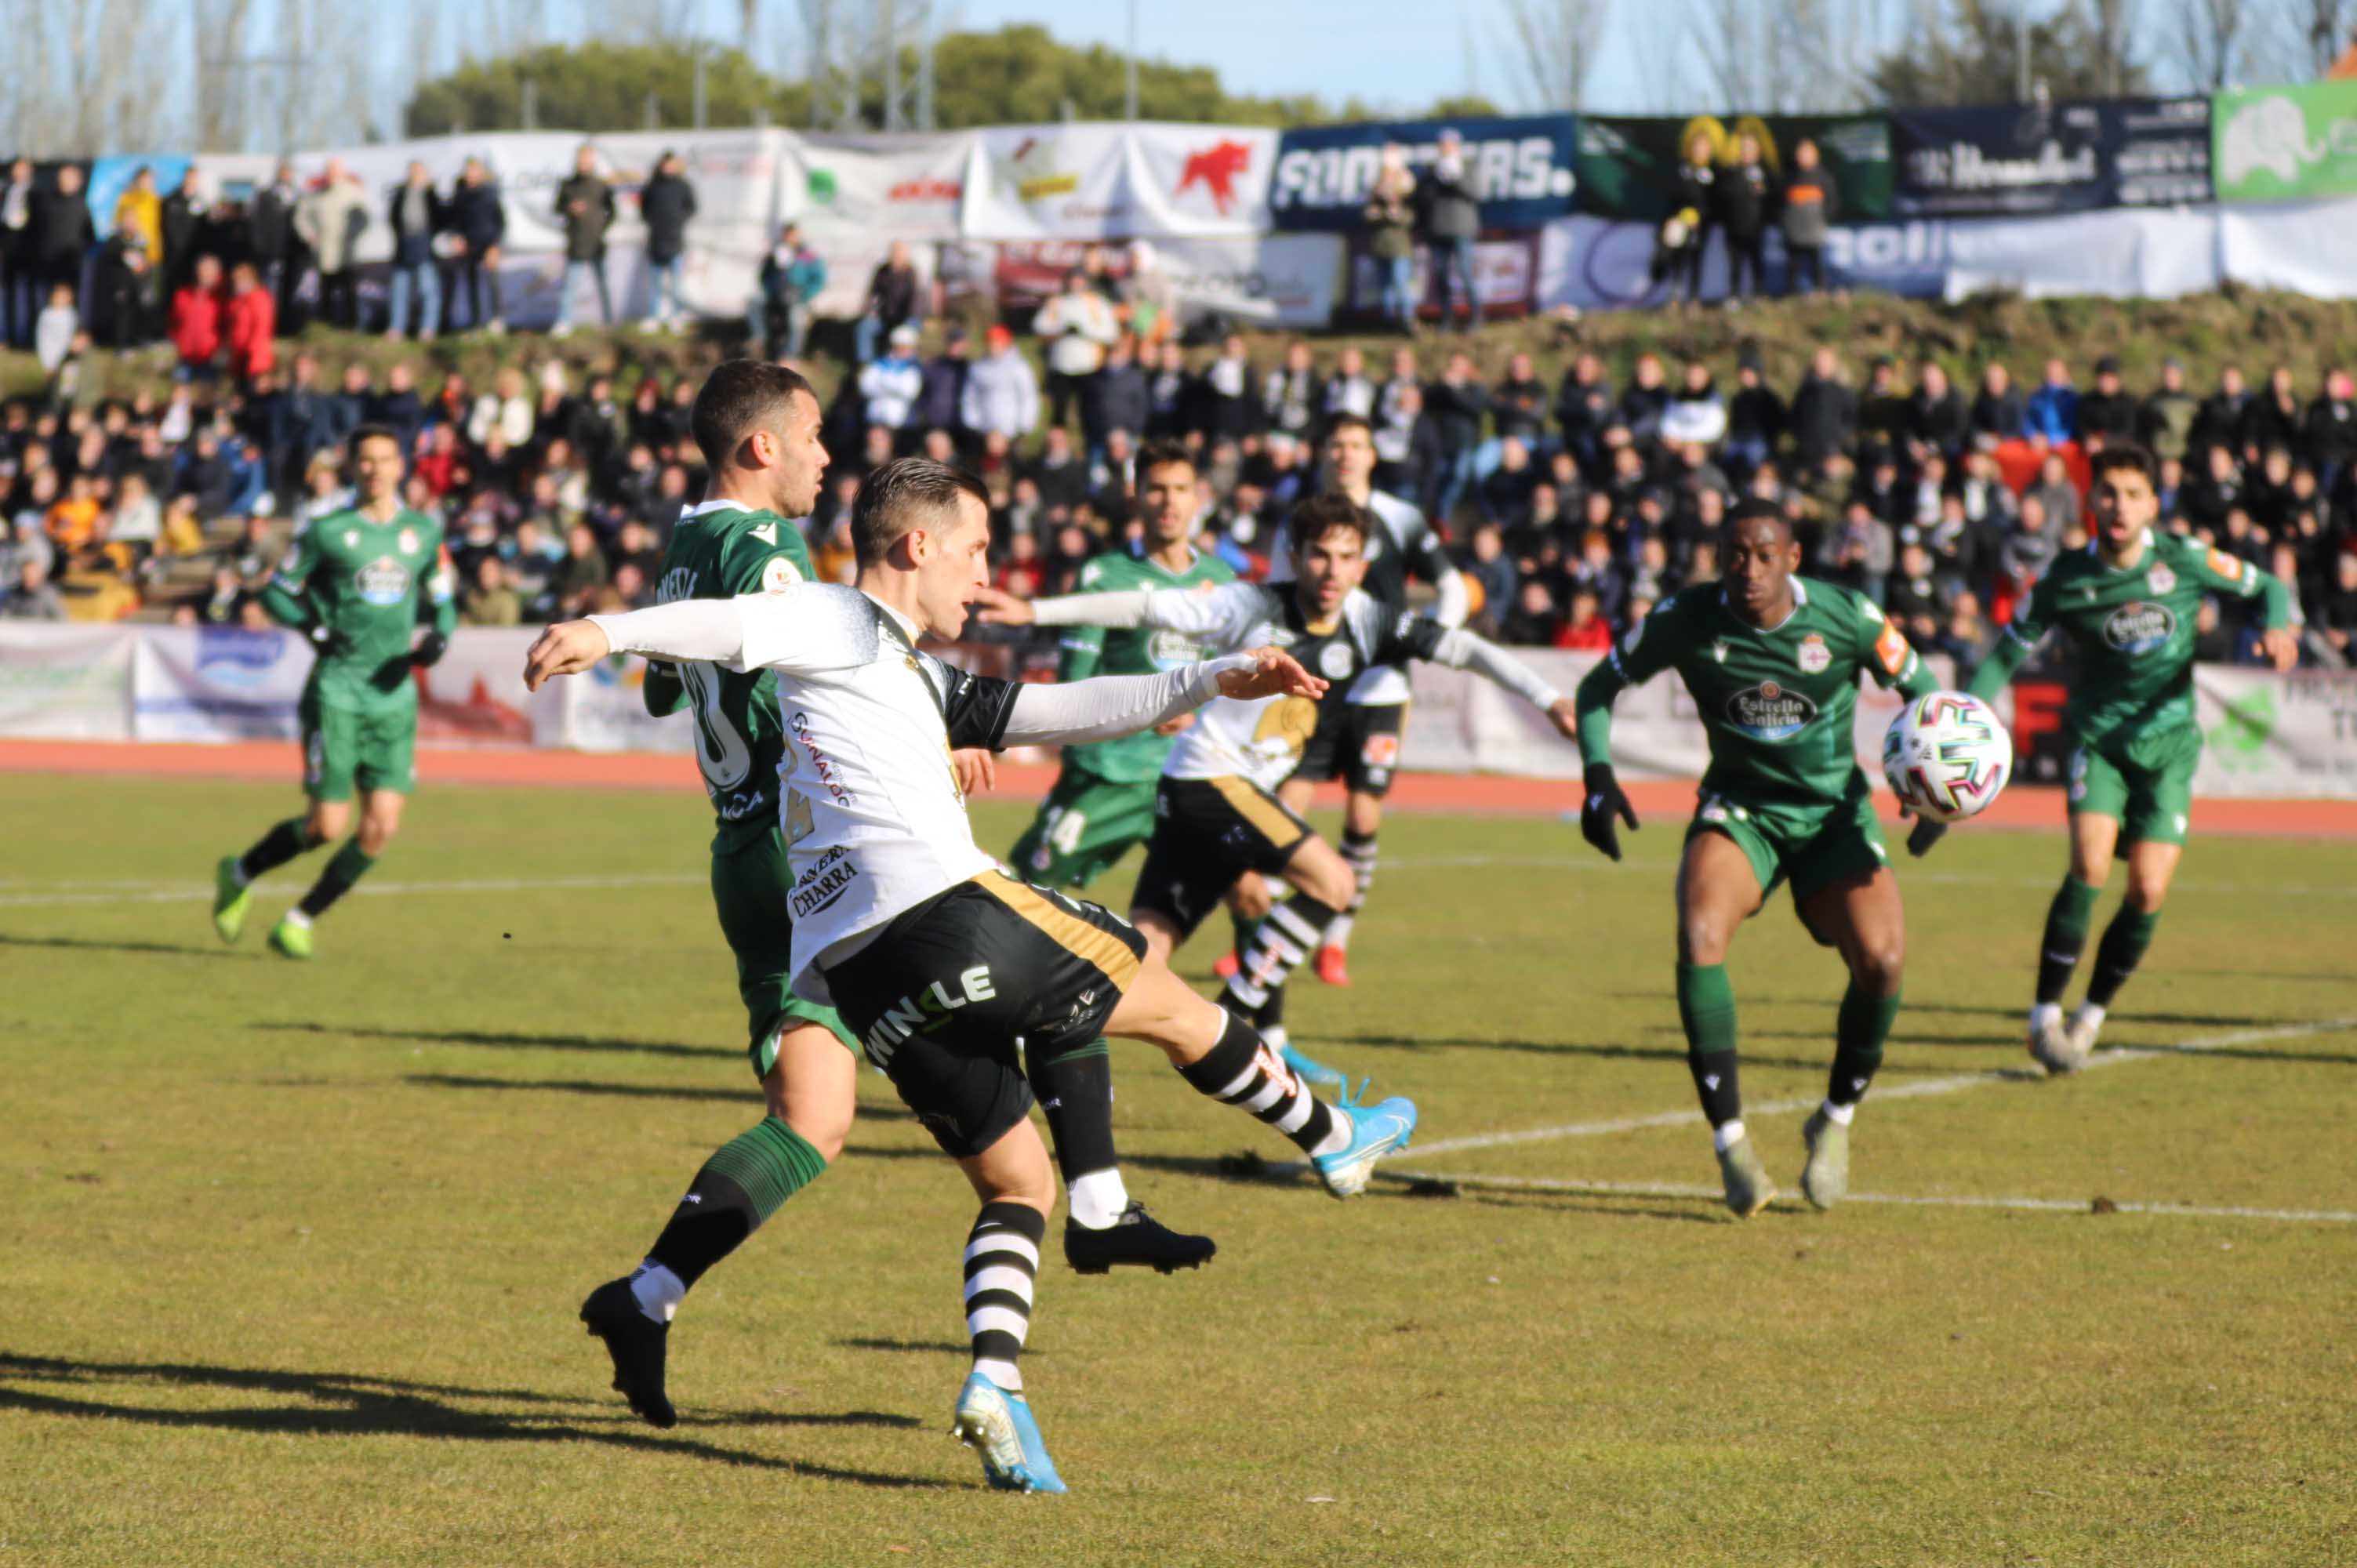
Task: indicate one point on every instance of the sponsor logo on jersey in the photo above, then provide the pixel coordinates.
(1891, 646)
(822, 764)
(1718, 650)
(2227, 566)
(1170, 650)
(2140, 628)
(1814, 657)
(779, 575)
(1770, 711)
(1335, 661)
(383, 580)
(2160, 579)
(924, 1010)
(823, 883)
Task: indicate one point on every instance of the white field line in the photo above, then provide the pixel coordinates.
(1957, 1084)
(1909, 872)
(186, 892)
(2034, 1205)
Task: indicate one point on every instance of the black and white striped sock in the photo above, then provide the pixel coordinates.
(1289, 935)
(1002, 1259)
(1241, 1070)
(1359, 853)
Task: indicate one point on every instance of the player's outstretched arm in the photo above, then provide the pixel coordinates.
(1107, 706)
(1166, 609)
(1603, 806)
(1461, 649)
(1996, 671)
(2224, 573)
(565, 648)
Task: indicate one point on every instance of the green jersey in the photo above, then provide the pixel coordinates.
(718, 553)
(356, 583)
(2133, 630)
(1142, 650)
(1777, 705)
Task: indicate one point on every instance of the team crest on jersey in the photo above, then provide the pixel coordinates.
(1718, 650)
(407, 541)
(2139, 628)
(2160, 579)
(1814, 657)
(352, 537)
(1336, 661)
(1770, 711)
(779, 575)
(383, 580)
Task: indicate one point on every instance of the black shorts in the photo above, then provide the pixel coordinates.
(945, 994)
(1359, 745)
(1207, 833)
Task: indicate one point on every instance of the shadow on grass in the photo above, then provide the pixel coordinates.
(94, 944)
(1320, 1042)
(866, 1111)
(1705, 1211)
(500, 1040)
(923, 1346)
(338, 1404)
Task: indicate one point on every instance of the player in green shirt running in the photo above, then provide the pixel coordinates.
(353, 581)
(1772, 663)
(2127, 604)
(1103, 799)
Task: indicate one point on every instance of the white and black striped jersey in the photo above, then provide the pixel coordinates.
(1404, 546)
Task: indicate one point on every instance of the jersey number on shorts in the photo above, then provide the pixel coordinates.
(720, 751)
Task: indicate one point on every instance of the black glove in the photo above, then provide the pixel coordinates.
(430, 649)
(1602, 802)
(1927, 833)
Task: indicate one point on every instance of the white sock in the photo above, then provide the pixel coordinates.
(2090, 1015)
(1274, 1038)
(2042, 1014)
(1726, 1134)
(1335, 1142)
(297, 919)
(659, 1290)
(1095, 1201)
(1338, 930)
(1839, 1115)
(1003, 1373)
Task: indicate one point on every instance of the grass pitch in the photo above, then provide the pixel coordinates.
(293, 1250)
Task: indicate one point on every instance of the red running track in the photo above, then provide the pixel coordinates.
(1476, 793)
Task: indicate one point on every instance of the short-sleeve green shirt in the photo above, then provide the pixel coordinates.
(361, 581)
(1142, 650)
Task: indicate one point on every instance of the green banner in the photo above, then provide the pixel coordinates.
(1627, 166)
(2279, 144)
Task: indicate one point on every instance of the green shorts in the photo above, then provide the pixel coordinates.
(1084, 826)
(1810, 847)
(2146, 785)
(748, 891)
(374, 749)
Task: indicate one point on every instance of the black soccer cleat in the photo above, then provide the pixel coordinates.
(1136, 1238)
(637, 1344)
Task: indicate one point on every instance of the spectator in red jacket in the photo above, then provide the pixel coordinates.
(1585, 631)
(196, 321)
(252, 316)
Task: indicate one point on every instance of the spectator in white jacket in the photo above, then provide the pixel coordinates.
(891, 385)
(1002, 395)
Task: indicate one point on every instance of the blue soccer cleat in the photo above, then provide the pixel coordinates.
(998, 1425)
(1308, 1070)
(1375, 1131)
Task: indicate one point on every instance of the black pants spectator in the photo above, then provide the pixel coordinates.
(1688, 274)
(1747, 270)
(340, 298)
(468, 279)
(1804, 261)
(1062, 392)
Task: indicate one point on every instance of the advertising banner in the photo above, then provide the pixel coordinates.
(1105, 182)
(2273, 144)
(1520, 167)
(66, 683)
(2274, 735)
(2298, 245)
(2016, 159)
(1276, 280)
(1602, 263)
(1627, 166)
(475, 695)
(604, 711)
(1505, 277)
(216, 683)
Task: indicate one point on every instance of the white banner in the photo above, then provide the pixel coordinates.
(1100, 181)
(2272, 734)
(65, 682)
(2297, 245)
(475, 695)
(216, 683)
(2125, 252)
(604, 710)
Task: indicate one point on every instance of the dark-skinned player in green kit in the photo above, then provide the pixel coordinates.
(1772, 661)
(2126, 604)
(354, 583)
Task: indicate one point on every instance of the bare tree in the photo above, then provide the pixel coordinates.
(2317, 32)
(1552, 46)
(2211, 39)
(2111, 27)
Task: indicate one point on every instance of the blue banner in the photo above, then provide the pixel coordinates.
(1520, 167)
(110, 177)
(2025, 160)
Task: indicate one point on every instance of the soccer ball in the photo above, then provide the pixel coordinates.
(1947, 756)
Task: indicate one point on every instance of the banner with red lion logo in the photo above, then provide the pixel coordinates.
(1117, 182)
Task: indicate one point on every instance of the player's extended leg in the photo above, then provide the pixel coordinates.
(810, 1090)
(233, 878)
(380, 821)
(2093, 837)
(1285, 937)
(1717, 890)
(1001, 1264)
(2151, 866)
(1362, 818)
(1861, 916)
(1223, 1056)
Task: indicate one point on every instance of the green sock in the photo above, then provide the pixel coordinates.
(2066, 936)
(1707, 1008)
(2121, 949)
(1860, 1032)
(747, 1179)
(351, 863)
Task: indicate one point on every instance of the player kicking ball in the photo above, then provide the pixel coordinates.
(1772, 663)
(2127, 604)
(352, 582)
(940, 964)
